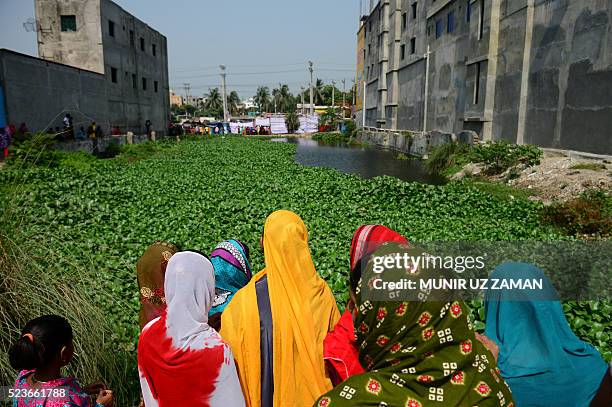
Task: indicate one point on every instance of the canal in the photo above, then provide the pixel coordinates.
(365, 161)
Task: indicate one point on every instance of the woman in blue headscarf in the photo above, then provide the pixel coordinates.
(541, 359)
(232, 265)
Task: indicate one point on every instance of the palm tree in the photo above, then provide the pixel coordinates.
(214, 101)
(282, 97)
(319, 98)
(262, 98)
(233, 100)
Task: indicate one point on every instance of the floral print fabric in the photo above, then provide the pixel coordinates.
(419, 354)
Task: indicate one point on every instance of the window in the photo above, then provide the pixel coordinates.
(414, 10)
(468, 11)
(439, 28)
(132, 38)
(450, 21)
(481, 21)
(111, 28)
(142, 44)
(155, 86)
(114, 75)
(370, 49)
(413, 45)
(404, 22)
(154, 49)
(477, 84)
(144, 83)
(68, 23)
(402, 52)
(134, 81)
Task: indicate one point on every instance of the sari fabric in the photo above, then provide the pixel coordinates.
(232, 272)
(303, 311)
(542, 360)
(182, 361)
(419, 354)
(150, 271)
(340, 349)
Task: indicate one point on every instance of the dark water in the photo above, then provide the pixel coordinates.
(367, 162)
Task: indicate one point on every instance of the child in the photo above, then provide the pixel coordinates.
(45, 346)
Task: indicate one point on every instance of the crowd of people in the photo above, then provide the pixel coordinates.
(214, 333)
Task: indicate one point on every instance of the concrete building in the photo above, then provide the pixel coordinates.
(529, 71)
(175, 99)
(84, 38)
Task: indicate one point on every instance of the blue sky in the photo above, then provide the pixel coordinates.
(273, 38)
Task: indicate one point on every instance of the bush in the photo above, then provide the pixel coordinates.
(36, 150)
(350, 128)
(498, 156)
(445, 156)
(331, 138)
(590, 214)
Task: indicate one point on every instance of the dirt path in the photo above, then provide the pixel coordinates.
(558, 178)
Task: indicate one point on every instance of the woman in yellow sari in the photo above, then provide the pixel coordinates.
(276, 324)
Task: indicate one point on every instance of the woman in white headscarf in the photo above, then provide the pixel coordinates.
(182, 361)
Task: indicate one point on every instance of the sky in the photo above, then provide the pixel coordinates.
(262, 42)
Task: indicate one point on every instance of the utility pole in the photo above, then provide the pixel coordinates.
(310, 68)
(343, 95)
(224, 93)
(302, 94)
(334, 95)
(425, 104)
(187, 87)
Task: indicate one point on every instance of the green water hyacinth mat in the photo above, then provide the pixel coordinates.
(100, 215)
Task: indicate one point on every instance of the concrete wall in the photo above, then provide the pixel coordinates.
(37, 92)
(82, 48)
(117, 55)
(528, 71)
(130, 107)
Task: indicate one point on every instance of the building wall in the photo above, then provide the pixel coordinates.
(114, 52)
(82, 48)
(36, 91)
(528, 71)
(131, 106)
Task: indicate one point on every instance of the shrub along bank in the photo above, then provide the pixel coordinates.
(98, 216)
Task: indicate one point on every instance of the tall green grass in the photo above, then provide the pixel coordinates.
(37, 277)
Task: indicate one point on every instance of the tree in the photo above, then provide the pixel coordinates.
(292, 121)
(233, 101)
(214, 102)
(283, 99)
(262, 98)
(318, 96)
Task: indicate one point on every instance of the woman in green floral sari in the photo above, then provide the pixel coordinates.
(417, 354)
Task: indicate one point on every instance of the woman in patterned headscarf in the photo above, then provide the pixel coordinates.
(150, 270)
(339, 348)
(418, 354)
(232, 272)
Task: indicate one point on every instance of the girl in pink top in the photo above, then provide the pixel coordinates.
(45, 346)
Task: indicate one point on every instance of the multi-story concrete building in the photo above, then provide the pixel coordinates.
(529, 71)
(93, 36)
(175, 99)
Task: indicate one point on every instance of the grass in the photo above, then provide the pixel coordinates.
(79, 227)
(331, 137)
(588, 166)
(499, 190)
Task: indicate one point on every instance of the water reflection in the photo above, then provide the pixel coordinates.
(367, 162)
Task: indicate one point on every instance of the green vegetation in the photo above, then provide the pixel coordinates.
(590, 214)
(331, 137)
(496, 157)
(499, 190)
(84, 223)
(588, 166)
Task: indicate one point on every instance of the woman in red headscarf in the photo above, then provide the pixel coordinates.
(339, 348)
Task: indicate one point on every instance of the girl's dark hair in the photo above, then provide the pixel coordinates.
(49, 334)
